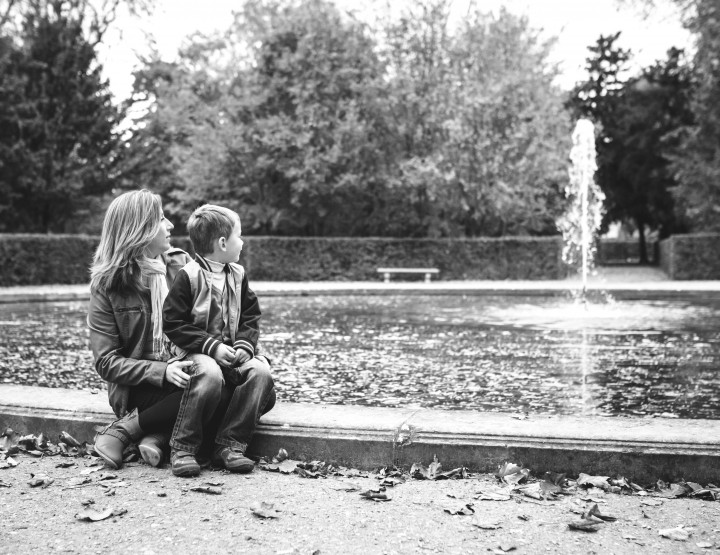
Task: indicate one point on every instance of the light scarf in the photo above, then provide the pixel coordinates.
(155, 271)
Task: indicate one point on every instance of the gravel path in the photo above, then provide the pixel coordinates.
(163, 514)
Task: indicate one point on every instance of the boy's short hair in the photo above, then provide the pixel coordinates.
(207, 224)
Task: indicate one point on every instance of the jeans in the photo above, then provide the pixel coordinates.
(208, 399)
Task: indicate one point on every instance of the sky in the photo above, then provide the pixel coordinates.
(576, 24)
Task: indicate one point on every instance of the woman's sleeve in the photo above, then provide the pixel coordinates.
(107, 345)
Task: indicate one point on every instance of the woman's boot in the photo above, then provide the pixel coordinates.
(111, 441)
(152, 448)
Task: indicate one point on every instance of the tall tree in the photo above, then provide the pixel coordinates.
(483, 132)
(697, 159)
(636, 118)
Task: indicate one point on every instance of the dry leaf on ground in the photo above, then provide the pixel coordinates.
(678, 533)
(264, 509)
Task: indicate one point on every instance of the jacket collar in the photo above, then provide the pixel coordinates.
(211, 265)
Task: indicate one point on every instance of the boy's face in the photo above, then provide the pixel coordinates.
(231, 247)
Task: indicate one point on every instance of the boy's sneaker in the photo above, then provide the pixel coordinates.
(184, 464)
(232, 459)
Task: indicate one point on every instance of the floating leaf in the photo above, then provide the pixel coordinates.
(264, 510)
(678, 533)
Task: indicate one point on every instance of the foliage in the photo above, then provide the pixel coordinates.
(308, 124)
(697, 160)
(66, 258)
(56, 118)
(637, 118)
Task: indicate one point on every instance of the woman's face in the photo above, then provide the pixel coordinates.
(161, 242)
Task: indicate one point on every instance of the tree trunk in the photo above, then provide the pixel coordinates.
(643, 243)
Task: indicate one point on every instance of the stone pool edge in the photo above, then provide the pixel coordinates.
(640, 449)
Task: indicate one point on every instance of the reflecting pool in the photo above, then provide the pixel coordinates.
(538, 355)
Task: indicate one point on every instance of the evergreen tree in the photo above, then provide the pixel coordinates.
(56, 119)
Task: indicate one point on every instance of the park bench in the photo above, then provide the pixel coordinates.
(427, 272)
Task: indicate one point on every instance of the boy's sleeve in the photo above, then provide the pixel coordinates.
(177, 319)
(248, 331)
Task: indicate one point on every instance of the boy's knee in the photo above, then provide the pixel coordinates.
(206, 370)
(263, 376)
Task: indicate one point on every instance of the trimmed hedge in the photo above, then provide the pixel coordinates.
(621, 251)
(692, 256)
(49, 259)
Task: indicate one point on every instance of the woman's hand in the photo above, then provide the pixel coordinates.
(175, 374)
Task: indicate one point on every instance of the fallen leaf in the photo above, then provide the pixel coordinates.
(485, 524)
(678, 533)
(281, 456)
(597, 481)
(67, 439)
(651, 502)
(345, 486)
(93, 515)
(594, 511)
(505, 547)
(704, 545)
(8, 463)
(461, 510)
(490, 495)
(38, 480)
(585, 525)
(263, 509)
(4, 484)
(79, 481)
(207, 489)
(65, 464)
(376, 495)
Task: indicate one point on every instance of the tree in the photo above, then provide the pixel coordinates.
(636, 118)
(696, 162)
(57, 120)
(483, 132)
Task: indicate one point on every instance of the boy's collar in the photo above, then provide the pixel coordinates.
(210, 265)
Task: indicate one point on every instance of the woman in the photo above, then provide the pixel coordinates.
(131, 271)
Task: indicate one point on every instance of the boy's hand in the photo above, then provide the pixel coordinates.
(224, 355)
(241, 357)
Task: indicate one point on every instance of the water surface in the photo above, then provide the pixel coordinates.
(501, 353)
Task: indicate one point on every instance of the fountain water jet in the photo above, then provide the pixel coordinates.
(582, 219)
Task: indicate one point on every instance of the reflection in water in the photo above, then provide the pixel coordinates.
(534, 354)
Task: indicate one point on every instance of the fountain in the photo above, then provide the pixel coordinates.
(580, 223)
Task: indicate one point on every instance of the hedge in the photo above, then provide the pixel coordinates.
(621, 251)
(691, 256)
(49, 259)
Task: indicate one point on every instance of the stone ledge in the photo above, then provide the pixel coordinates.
(643, 450)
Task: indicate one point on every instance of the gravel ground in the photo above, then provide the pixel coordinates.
(163, 514)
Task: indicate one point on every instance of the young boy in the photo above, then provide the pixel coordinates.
(211, 313)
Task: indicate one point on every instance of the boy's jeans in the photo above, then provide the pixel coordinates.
(206, 395)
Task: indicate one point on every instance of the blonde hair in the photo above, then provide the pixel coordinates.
(207, 224)
(130, 224)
